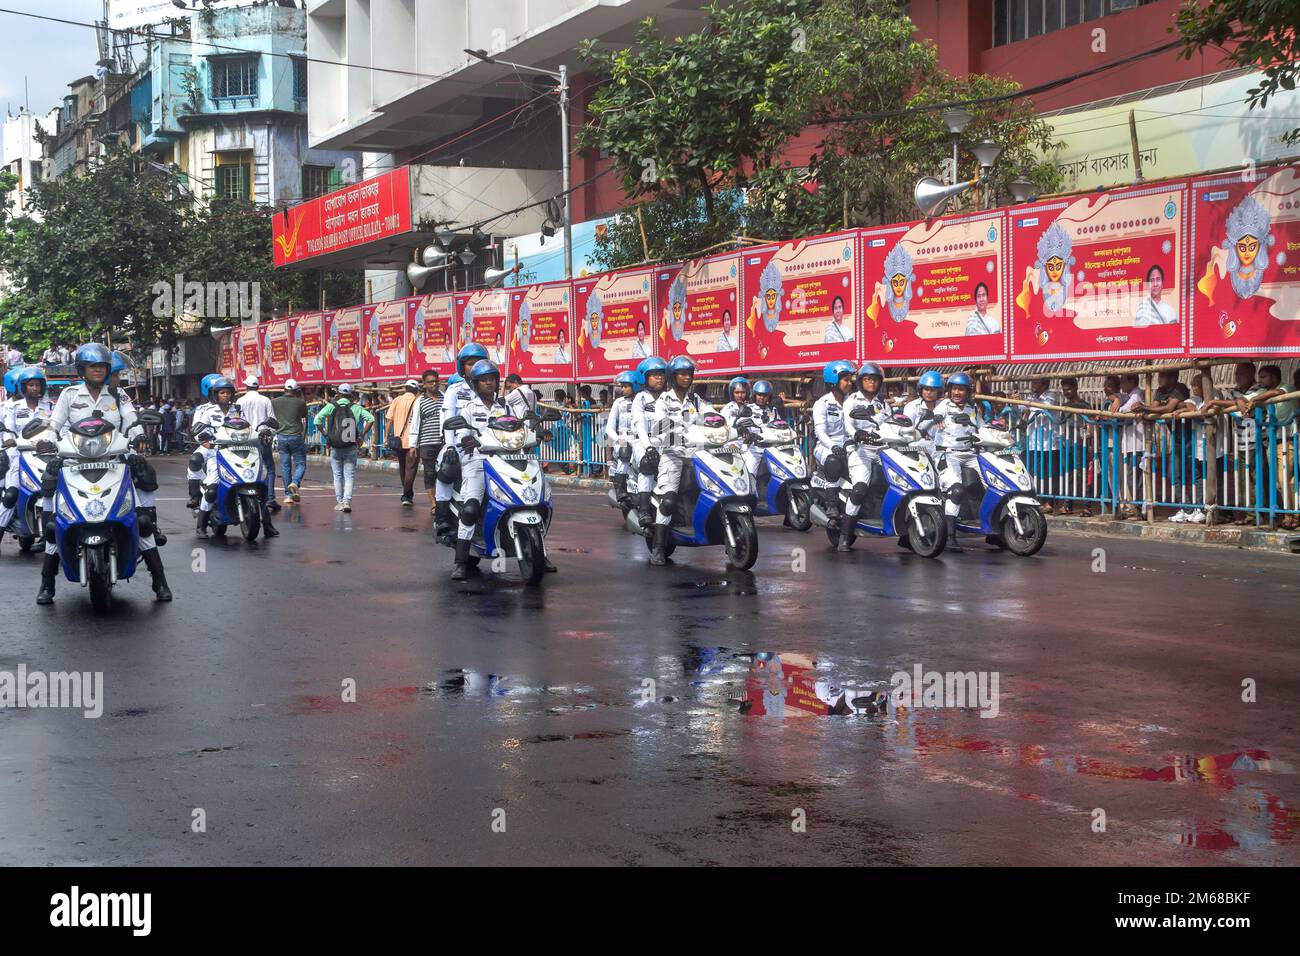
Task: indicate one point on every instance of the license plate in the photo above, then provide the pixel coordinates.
(89, 466)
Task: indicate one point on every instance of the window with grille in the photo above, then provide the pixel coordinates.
(234, 176)
(316, 181)
(1021, 19)
(299, 77)
(234, 76)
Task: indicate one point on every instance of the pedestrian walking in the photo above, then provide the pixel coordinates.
(345, 425)
(400, 410)
(424, 439)
(290, 410)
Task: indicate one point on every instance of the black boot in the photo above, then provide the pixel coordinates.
(153, 561)
(644, 510)
(268, 529)
(195, 492)
(620, 488)
(657, 556)
(846, 534)
(201, 523)
(952, 544)
(442, 521)
(49, 571)
(462, 559)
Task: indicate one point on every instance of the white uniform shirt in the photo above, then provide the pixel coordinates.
(643, 415)
(452, 399)
(952, 436)
(621, 423)
(478, 413)
(17, 414)
(75, 404)
(671, 412)
(828, 423)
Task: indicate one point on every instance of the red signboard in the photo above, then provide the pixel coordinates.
(387, 332)
(344, 330)
(541, 337)
(482, 317)
(697, 305)
(936, 291)
(226, 353)
(802, 302)
(277, 353)
(308, 352)
(1246, 263)
(432, 335)
(1100, 275)
(377, 208)
(615, 330)
(250, 353)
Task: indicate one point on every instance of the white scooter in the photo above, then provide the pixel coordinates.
(26, 525)
(782, 486)
(517, 510)
(1007, 513)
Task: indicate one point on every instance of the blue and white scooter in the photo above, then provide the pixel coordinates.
(782, 486)
(911, 509)
(28, 516)
(95, 527)
(715, 505)
(517, 512)
(1007, 513)
(241, 479)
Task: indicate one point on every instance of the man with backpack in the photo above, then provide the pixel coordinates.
(345, 425)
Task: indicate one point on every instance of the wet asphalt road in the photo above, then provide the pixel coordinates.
(1118, 690)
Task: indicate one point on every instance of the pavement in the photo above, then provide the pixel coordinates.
(622, 714)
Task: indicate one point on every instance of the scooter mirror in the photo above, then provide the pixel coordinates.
(148, 417)
(858, 414)
(551, 416)
(35, 427)
(455, 423)
(743, 423)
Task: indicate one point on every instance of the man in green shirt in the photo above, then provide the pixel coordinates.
(345, 424)
(291, 438)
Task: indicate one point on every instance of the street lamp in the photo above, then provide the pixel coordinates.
(1022, 189)
(561, 75)
(956, 120)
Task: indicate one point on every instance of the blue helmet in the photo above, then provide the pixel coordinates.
(833, 370)
(871, 368)
(120, 363)
(738, 380)
(92, 354)
(648, 365)
(472, 351)
(762, 387)
(482, 369)
(960, 378)
(219, 383)
(627, 378)
(205, 386)
(30, 374)
(11, 382)
(454, 379)
(681, 363)
(931, 379)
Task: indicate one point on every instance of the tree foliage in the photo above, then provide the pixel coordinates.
(812, 109)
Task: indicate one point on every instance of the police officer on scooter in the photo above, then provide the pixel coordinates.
(478, 410)
(675, 410)
(620, 430)
(448, 469)
(954, 421)
(864, 458)
(652, 376)
(832, 433)
(30, 402)
(94, 396)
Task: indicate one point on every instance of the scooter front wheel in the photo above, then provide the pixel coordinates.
(745, 552)
(532, 554)
(98, 579)
(250, 524)
(796, 512)
(1034, 536)
(928, 534)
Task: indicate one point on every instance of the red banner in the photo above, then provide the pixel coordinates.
(1101, 275)
(1246, 263)
(344, 331)
(697, 306)
(308, 356)
(935, 291)
(387, 332)
(615, 331)
(277, 352)
(377, 208)
(802, 303)
(226, 353)
(482, 317)
(541, 337)
(249, 354)
(433, 341)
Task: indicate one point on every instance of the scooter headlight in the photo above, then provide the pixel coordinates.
(510, 440)
(897, 480)
(996, 481)
(64, 507)
(29, 484)
(126, 507)
(238, 436)
(90, 446)
(711, 486)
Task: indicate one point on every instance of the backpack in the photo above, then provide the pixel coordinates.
(341, 430)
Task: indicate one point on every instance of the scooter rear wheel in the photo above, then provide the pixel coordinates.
(796, 512)
(833, 532)
(1035, 535)
(97, 579)
(745, 553)
(532, 555)
(928, 534)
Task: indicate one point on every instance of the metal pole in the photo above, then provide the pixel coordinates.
(564, 144)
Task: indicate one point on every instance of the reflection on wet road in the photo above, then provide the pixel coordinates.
(623, 714)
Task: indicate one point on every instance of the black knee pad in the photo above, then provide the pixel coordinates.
(146, 522)
(668, 503)
(197, 462)
(955, 493)
(470, 512)
(859, 493)
(449, 468)
(144, 475)
(49, 529)
(210, 494)
(10, 497)
(833, 468)
(650, 463)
